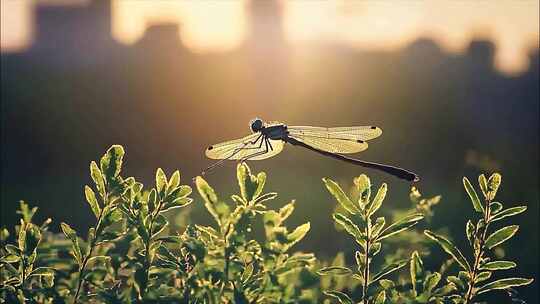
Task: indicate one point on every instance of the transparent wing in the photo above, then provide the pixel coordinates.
(332, 144)
(361, 133)
(251, 147)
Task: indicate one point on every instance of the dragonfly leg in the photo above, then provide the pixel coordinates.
(256, 140)
(269, 144)
(267, 148)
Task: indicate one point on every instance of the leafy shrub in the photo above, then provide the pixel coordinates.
(131, 254)
(474, 276)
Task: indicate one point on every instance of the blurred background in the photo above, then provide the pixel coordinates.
(453, 84)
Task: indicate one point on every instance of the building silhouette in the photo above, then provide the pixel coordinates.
(75, 34)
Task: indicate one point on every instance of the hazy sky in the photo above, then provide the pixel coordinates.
(220, 25)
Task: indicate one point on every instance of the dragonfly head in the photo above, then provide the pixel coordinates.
(256, 125)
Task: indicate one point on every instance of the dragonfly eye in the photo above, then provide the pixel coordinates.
(256, 125)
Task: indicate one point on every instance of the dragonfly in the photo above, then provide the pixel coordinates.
(268, 140)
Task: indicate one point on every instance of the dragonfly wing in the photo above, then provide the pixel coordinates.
(244, 148)
(351, 133)
(276, 148)
(333, 145)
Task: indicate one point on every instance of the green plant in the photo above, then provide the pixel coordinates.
(240, 269)
(473, 279)
(22, 275)
(109, 185)
(145, 216)
(369, 234)
(134, 253)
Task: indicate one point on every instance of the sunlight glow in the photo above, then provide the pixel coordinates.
(15, 24)
(213, 25)
(513, 25)
(205, 25)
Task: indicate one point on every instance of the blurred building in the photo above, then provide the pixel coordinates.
(162, 40)
(74, 34)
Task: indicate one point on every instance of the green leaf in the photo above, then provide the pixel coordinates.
(504, 284)
(381, 297)
(13, 249)
(482, 276)
(363, 184)
(72, 235)
(483, 184)
(378, 200)
(152, 199)
(401, 225)
(493, 185)
(349, 226)
(177, 203)
(21, 240)
(261, 181)
(359, 257)
(445, 290)
(159, 224)
(388, 269)
(415, 269)
(471, 231)
(298, 234)
(97, 177)
(111, 162)
(211, 232)
(449, 248)
(374, 249)
(4, 234)
(10, 258)
(377, 227)
(456, 281)
(501, 235)
(498, 265)
(32, 238)
(495, 207)
(431, 281)
(248, 183)
(99, 259)
(334, 270)
(472, 195)
(174, 182)
(340, 196)
(161, 182)
(26, 212)
(217, 209)
(508, 212)
(286, 211)
(265, 197)
(42, 271)
(92, 201)
(340, 296)
(141, 227)
(387, 284)
(180, 192)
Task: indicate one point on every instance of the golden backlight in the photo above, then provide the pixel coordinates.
(387, 25)
(206, 25)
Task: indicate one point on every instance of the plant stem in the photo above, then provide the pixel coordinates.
(478, 254)
(81, 274)
(226, 256)
(148, 260)
(87, 257)
(23, 263)
(366, 262)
